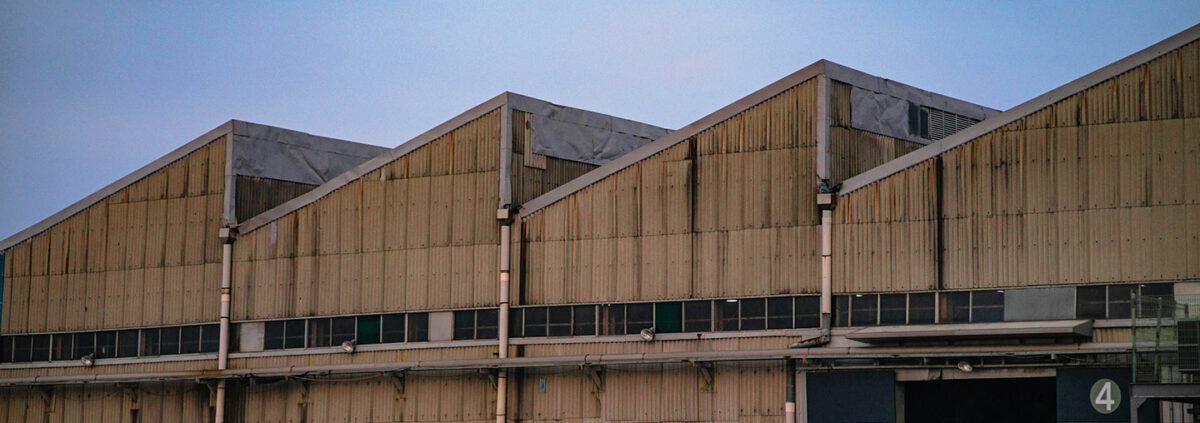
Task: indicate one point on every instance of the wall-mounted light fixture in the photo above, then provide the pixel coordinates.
(965, 367)
(647, 334)
(350, 346)
(88, 360)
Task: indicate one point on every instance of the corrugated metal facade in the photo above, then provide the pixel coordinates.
(723, 206)
(1099, 187)
(184, 402)
(427, 217)
(130, 260)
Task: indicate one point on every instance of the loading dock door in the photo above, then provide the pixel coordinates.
(858, 397)
(980, 400)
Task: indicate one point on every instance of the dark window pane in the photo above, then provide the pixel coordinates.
(127, 343)
(393, 328)
(319, 334)
(668, 317)
(697, 316)
(41, 348)
(535, 321)
(637, 317)
(515, 322)
(368, 330)
(464, 324)
(1118, 301)
(22, 348)
(418, 327)
(85, 343)
(343, 330)
(893, 309)
(1158, 300)
(920, 309)
(779, 313)
(189, 340)
(727, 315)
(6, 349)
(808, 312)
(754, 313)
(955, 307)
(61, 346)
(106, 344)
(1158, 289)
(1090, 302)
(987, 306)
(616, 319)
(293, 333)
(169, 341)
(864, 310)
(273, 335)
(210, 338)
(487, 324)
(560, 321)
(841, 310)
(585, 320)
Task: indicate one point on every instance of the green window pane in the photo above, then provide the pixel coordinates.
(668, 318)
(368, 330)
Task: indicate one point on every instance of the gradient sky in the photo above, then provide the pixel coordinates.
(91, 91)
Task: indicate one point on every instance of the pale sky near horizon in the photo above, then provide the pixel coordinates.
(91, 91)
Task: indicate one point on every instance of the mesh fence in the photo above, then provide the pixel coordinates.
(1166, 338)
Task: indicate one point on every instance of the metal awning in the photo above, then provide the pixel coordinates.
(973, 331)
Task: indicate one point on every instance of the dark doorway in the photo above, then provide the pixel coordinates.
(980, 400)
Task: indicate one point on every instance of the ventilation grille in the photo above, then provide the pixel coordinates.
(943, 124)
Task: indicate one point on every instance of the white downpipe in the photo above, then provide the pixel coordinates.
(502, 374)
(223, 346)
(826, 270)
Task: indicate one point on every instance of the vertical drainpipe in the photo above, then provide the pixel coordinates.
(505, 217)
(502, 375)
(789, 405)
(226, 236)
(824, 202)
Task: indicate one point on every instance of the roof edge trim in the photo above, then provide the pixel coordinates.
(372, 164)
(118, 185)
(1020, 111)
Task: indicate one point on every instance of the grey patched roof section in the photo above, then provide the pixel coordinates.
(580, 135)
(563, 132)
(1024, 109)
(268, 152)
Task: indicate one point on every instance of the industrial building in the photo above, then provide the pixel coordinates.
(834, 247)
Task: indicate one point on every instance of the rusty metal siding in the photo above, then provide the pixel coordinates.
(1099, 187)
(727, 212)
(157, 402)
(104, 266)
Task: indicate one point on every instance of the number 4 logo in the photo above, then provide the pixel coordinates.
(1105, 396)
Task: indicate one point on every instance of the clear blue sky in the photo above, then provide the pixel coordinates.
(90, 91)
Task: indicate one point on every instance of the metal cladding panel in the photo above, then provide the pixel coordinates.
(419, 230)
(159, 402)
(98, 259)
(727, 204)
(1093, 188)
